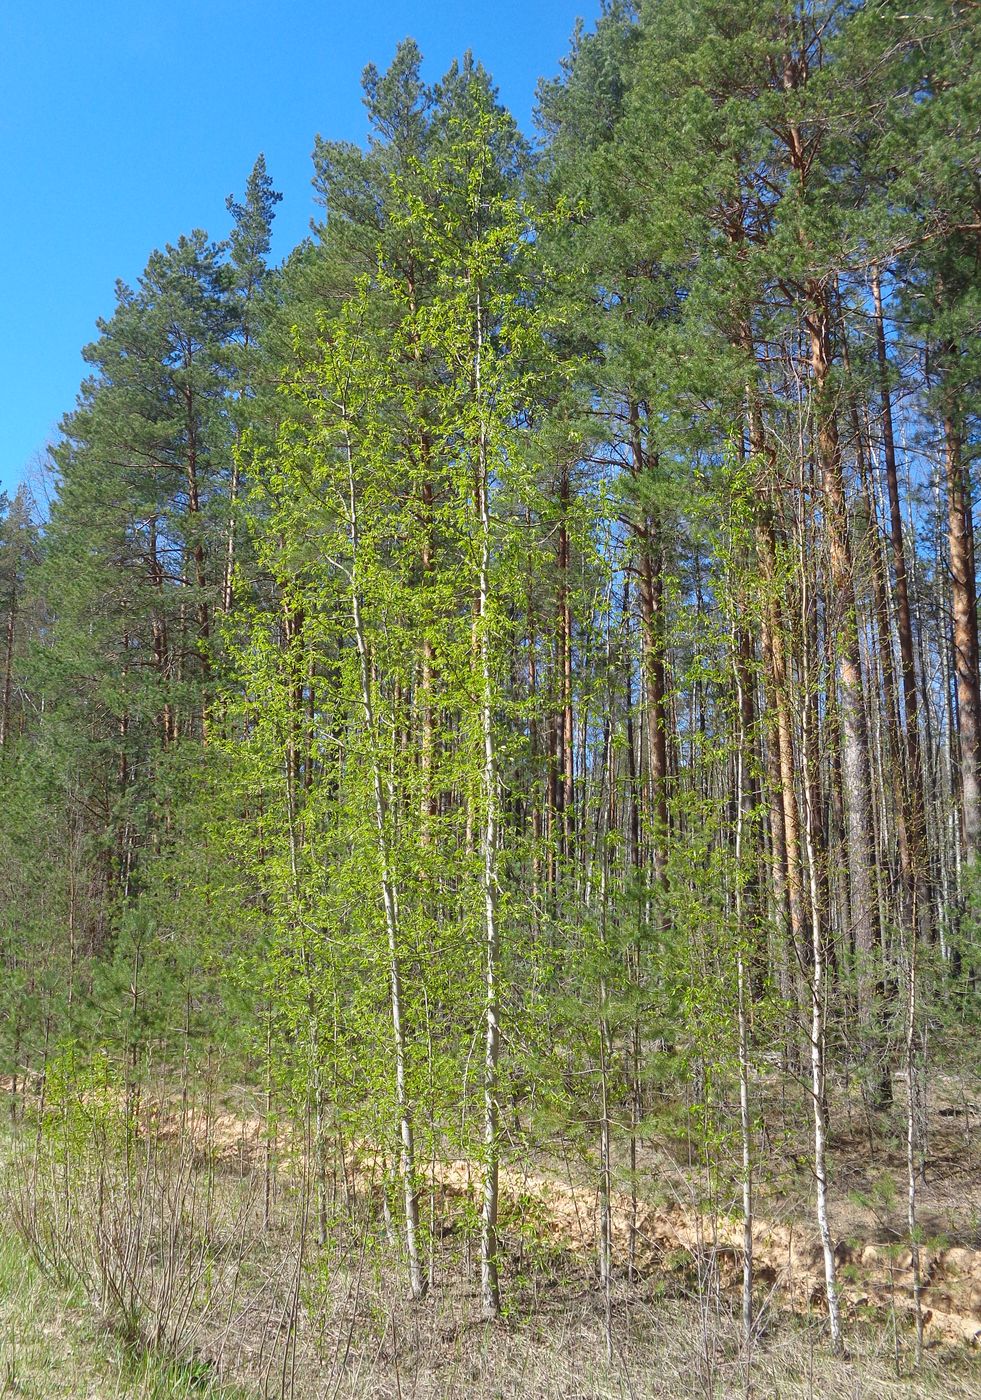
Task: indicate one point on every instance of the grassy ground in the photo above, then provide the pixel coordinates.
(334, 1321)
(53, 1345)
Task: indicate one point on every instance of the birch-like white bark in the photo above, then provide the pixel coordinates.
(417, 1274)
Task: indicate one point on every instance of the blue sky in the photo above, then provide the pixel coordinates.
(126, 122)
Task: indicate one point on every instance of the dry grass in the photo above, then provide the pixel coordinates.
(553, 1347)
(183, 1233)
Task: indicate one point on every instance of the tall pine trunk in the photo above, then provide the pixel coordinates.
(917, 833)
(963, 589)
(856, 768)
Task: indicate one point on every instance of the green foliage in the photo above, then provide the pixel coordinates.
(484, 556)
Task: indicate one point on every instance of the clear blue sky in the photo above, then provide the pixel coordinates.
(126, 122)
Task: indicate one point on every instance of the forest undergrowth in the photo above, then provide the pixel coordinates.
(222, 1254)
(54, 1345)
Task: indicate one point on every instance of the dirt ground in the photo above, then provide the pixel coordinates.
(669, 1324)
(674, 1235)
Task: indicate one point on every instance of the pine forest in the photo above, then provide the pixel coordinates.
(490, 741)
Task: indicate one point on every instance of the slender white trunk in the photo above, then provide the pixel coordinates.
(745, 1122)
(605, 803)
(417, 1275)
(489, 1282)
(911, 1141)
(817, 992)
(606, 1175)
(598, 855)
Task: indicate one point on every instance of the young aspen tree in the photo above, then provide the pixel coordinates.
(339, 461)
(482, 323)
(353, 418)
(817, 981)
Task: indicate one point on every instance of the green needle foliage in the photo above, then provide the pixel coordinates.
(500, 692)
